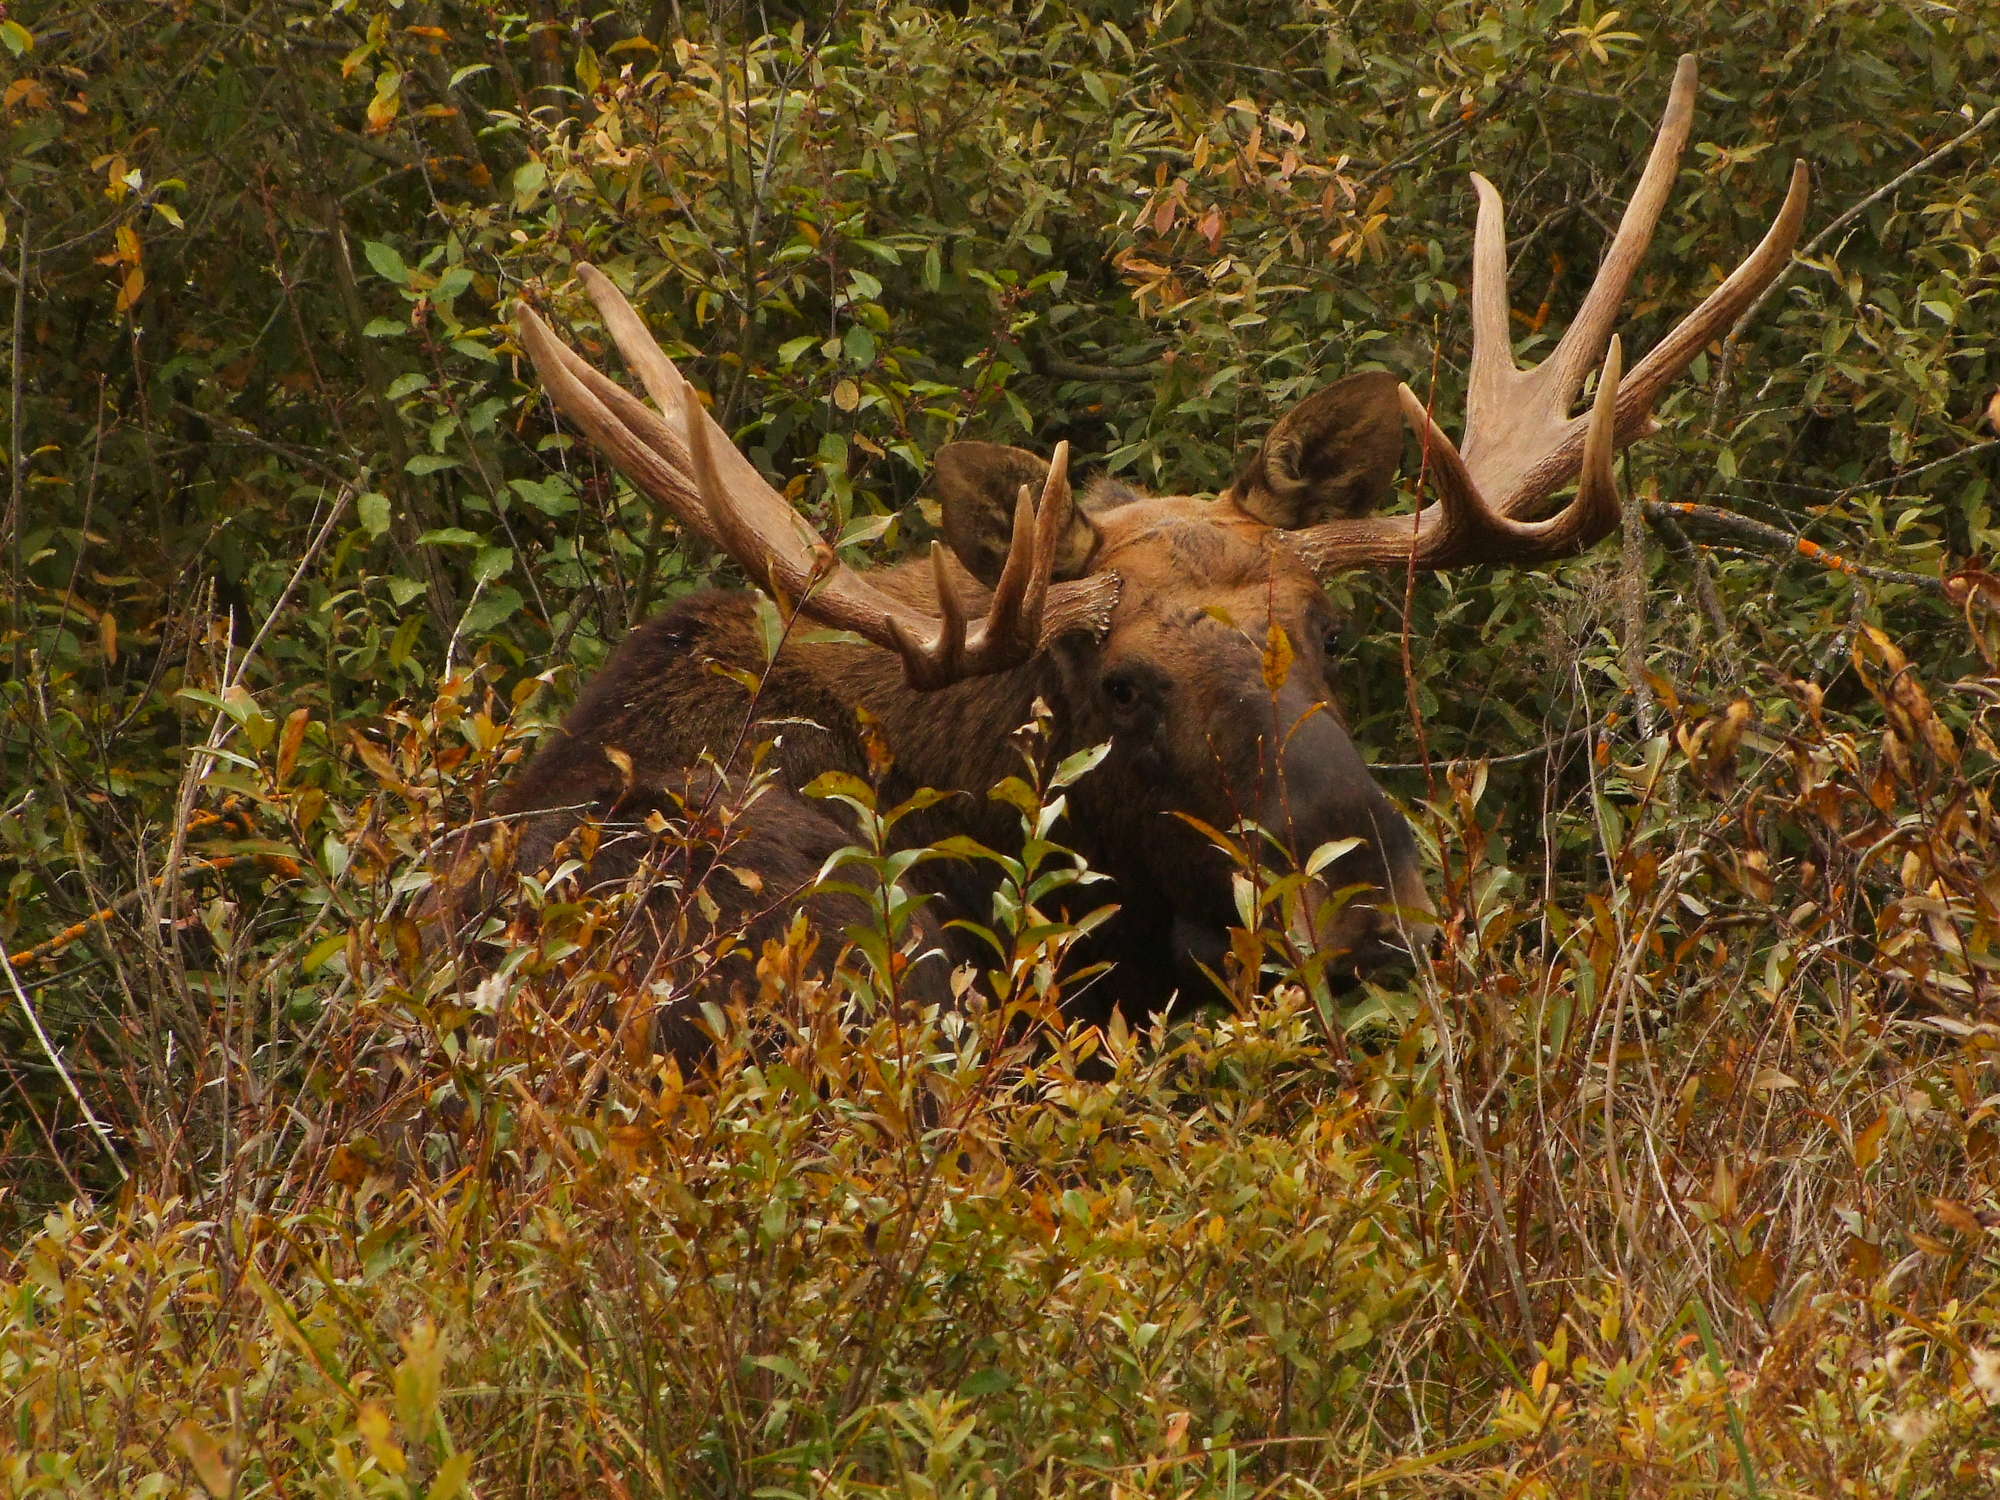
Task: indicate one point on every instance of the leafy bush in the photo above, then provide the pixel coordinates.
(1674, 1172)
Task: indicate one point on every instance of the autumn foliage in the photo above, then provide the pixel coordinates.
(1675, 1171)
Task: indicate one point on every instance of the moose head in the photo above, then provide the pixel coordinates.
(1147, 621)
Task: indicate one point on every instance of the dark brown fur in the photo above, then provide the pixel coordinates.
(1176, 685)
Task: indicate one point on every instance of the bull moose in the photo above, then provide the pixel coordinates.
(1138, 620)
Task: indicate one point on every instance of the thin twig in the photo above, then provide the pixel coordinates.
(1924, 468)
(1568, 736)
(1632, 591)
(1757, 537)
(46, 951)
(55, 1061)
(16, 464)
(1668, 528)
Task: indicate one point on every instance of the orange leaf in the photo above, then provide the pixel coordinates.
(289, 742)
(1868, 1144)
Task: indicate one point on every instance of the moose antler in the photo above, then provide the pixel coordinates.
(680, 458)
(1521, 443)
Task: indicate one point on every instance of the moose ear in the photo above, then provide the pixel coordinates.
(979, 484)
(1335, 454)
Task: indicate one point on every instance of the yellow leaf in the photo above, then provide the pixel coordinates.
(418, 1378)
(132, 289)
(26, 92)
(372, 1419)
(204, 1456)
(1277, 657)
(452, 1474)
(846, 395)
(1957, 1216)
(388, 100)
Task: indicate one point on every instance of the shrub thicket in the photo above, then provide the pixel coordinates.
(1675, 1172)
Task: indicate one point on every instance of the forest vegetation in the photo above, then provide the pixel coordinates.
(1674, 1170)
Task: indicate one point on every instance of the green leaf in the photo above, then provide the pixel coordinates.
(387, 263)
(430, 463)
(372, 508)
(864, 529)
(552, 497)
(404, 384)
(490, 609)
(491, 562)
(384, 328)
(451, 536)
(322, 952)
(839, 784)
(17, 37)
(1081, 763)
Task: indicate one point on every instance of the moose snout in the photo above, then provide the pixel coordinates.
(1319, 791)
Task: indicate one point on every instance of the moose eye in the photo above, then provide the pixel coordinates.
(1333, 642)
(1121, 692)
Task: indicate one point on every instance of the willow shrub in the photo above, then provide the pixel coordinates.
(1672, 1172)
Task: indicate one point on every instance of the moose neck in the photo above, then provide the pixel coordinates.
(956, 738)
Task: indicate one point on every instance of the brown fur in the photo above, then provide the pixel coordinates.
(1204, 584)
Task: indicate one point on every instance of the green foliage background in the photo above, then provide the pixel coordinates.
(297, 562)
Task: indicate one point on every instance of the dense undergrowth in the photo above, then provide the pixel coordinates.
(1673, 1172)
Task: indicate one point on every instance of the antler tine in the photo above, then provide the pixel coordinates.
(1594, 510)
(1052, 518)
(738, 538)
(1021, 592)
(1459, 509)
(608, 416)
(1582, 345)
(947, 654)
(1007, 614)
(658, 374)
(1514, 417)
(681, 458)
(1493, 369)
(1665, 361)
